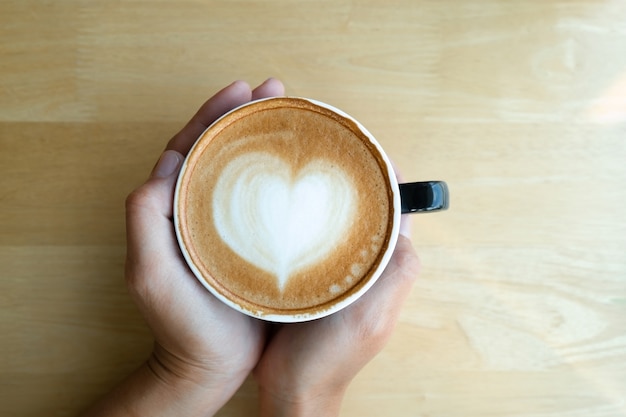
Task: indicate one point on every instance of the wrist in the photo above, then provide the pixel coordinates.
(200, 384)
(173, 394)
(160, 388)
(319, 405)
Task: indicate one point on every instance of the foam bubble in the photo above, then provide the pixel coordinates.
(334, 289)
(356, 269)
(279, 221)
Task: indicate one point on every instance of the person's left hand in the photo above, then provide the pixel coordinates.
(197, 337)
(306, 367)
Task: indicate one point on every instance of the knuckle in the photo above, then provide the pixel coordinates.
(373, 328)
(137, 199)
(378, 330)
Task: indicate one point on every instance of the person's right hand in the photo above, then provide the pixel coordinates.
(203, 349)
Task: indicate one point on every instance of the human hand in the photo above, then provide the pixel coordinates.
(204, 349)
(199, 341)
(190, 326)
(306, 367)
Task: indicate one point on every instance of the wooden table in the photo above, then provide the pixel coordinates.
(519, 105)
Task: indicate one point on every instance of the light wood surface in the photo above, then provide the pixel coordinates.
(519, 105)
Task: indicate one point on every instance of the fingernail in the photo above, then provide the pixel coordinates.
(168, 164)
(239, 84)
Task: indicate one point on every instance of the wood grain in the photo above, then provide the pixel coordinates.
(518, 105)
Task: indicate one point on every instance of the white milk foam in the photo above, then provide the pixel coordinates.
(281, 221)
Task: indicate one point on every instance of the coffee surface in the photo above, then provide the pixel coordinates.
(284, 207)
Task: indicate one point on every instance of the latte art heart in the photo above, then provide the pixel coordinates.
(279, 220)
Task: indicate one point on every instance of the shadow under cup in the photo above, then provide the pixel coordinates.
(287, 209)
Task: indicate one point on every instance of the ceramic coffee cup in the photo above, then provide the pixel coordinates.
(288, 209)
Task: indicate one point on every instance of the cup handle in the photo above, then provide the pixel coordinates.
(424, 196)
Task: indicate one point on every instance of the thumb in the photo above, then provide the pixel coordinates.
(168, 164)
(149, 210)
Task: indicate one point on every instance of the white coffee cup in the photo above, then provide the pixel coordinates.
(283, 149)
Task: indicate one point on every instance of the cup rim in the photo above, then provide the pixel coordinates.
(305, 316)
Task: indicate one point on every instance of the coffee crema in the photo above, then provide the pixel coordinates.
(284, 208)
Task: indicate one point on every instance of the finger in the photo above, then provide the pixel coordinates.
(405, 219)
(169, 163)
(405, 225)
(394, 286)
(404, 261)
(388, 294)
(403, 268)
(225, 100)
(270, 88)
(149, 228)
